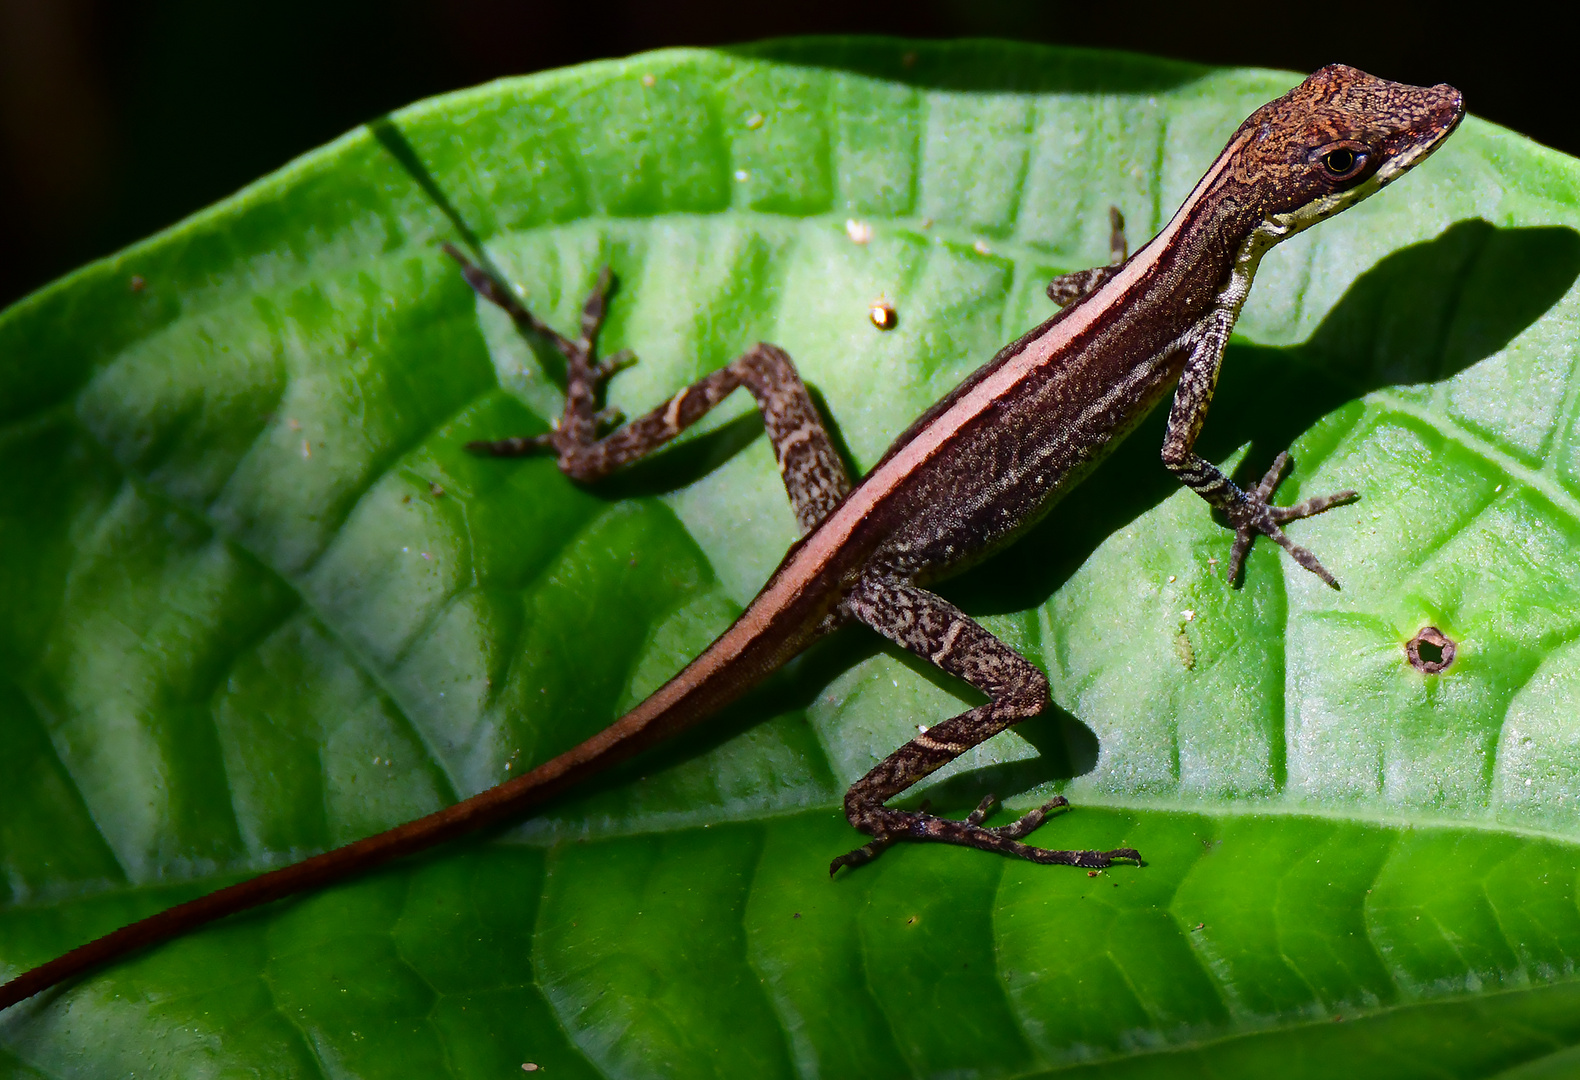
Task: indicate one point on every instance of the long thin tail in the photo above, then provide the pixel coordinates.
(707, 684)
(481, 810)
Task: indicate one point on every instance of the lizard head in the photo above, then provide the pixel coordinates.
(1334, 139)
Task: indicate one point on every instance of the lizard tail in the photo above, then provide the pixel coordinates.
(724, 671)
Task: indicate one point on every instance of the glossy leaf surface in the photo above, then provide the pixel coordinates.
(258, 602)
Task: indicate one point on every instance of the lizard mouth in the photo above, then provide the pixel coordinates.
(1443, 111)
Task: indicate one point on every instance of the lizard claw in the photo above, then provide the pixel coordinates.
(515, 446)
(1271, 478)
(984, 808)
(610, 366)
(862, 855)
(1255, 515)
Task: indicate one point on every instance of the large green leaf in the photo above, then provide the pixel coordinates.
(258, 601)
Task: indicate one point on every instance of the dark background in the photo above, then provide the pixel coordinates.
(117, 118)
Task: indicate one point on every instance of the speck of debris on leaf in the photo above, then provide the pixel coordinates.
(436, 491)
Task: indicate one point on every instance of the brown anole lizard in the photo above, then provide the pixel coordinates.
(969, 475)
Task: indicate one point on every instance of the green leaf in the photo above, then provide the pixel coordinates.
(258, 601)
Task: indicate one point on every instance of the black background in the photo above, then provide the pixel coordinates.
(117, 118)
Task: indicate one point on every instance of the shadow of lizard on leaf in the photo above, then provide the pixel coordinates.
(1423, 314)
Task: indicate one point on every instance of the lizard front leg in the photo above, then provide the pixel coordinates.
(936, 630)
(813, 474)
(1249, 512)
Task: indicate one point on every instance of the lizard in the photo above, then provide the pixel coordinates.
(971, 474)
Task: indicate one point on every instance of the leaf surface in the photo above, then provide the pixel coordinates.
(259, 602)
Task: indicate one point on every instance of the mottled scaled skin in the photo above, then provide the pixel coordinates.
(974, 471)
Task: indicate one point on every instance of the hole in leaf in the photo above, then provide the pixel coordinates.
(1430, 651)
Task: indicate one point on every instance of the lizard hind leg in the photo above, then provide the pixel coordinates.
(585, 374)
(814, 476)
(931, 627)
(1066, 289)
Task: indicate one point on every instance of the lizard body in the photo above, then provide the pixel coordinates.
(974, 471)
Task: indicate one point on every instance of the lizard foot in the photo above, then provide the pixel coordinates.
(1256, 515)
(586, 375)
(892, 825)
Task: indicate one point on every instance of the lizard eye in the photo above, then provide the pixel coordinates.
(1342, 162)
(1339, 161)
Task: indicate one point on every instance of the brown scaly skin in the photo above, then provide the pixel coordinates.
(973, 472)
